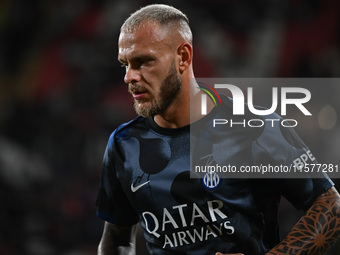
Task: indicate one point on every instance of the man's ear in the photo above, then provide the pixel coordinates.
(184, 52)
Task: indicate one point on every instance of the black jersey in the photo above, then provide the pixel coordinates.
(146, 177)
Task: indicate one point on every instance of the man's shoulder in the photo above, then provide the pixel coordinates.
(127, 128)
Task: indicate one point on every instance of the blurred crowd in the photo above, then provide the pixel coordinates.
(62, 94)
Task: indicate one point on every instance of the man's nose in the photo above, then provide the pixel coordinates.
(131, 75)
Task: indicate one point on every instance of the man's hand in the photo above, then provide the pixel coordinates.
(218, 253)
(117, 240)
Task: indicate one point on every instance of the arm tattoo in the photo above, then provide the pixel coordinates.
(315, 233)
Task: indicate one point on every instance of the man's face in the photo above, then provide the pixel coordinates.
(149, 59)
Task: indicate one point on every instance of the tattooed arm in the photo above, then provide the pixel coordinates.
(315, 233)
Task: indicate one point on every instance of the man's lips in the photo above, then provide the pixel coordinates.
(138, 92)
(138, 95)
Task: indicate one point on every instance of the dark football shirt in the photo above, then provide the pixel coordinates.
(146, 177)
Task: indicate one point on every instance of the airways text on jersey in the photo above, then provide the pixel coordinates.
(205, 223)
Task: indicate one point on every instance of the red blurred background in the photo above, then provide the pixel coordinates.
(62, 94)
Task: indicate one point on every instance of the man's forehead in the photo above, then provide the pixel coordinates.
(146, 37)
(127, 40)
(148, 34)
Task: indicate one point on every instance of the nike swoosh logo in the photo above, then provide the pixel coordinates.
(134, 189)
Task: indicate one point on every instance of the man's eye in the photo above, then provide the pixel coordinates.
(146, 62)
(123, 65)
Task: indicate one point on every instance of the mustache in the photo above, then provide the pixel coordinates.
(134, 89)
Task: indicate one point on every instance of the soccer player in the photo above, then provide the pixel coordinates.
(146, 167)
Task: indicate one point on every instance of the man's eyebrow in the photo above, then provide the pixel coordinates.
(143, 57)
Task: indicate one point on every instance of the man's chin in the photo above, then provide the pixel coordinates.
(143, 110)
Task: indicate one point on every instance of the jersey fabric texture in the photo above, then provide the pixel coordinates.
(146, 177)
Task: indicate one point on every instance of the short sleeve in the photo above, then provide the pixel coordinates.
(112, 204)
(280, 145)
(302, 192)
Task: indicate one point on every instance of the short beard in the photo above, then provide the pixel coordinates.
(169, 90)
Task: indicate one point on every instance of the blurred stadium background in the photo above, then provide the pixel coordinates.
(62, 94)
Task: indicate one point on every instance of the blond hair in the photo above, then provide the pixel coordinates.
(164, 15)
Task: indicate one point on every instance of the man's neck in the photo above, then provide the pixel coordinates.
(184, 110)
(176, 116)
